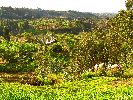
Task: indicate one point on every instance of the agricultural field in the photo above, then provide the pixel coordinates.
(76, 56)
(95, 88)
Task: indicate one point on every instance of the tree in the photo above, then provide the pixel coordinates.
(129, 4)
(6, 34)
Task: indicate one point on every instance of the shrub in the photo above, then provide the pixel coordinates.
(52, 60)
(52, 79)
(116, 71)
(18, 56)
(88, 74)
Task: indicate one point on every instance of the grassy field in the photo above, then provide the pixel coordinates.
(95, 88)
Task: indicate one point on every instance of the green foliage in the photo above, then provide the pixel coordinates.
(88, 74)
(70, 57)
(6, 34)
(115, 72)
(109, 41)
(129, 4)
(18, 56)
(101, 72)
(121, 29)
(88, 51)
(53, 79)
(51, 61)
(54, 58)
(93, 89)
(26, 13)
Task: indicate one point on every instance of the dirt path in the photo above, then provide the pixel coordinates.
(24, 78)
(126, 82)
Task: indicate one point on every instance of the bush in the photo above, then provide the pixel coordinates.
(52, 60)
(88, 74)
(115, 72)
(52, 79)
(18, 56)
(101, 71)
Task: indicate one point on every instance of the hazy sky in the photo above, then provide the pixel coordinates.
(78, 5)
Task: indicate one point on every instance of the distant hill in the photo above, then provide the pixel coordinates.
(104, 15)
(26, 13)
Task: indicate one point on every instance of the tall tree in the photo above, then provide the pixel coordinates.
(129, 4)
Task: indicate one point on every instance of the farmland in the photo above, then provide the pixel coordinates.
(59, 55)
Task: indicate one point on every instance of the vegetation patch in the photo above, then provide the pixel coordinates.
(66, 58)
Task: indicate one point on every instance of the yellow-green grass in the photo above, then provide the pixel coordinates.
(95, 88)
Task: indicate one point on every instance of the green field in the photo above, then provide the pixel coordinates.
(96, 88)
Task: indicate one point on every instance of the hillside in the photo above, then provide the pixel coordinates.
(26, 13)
(105, 15)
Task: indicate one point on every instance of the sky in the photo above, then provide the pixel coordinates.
(96, 6)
